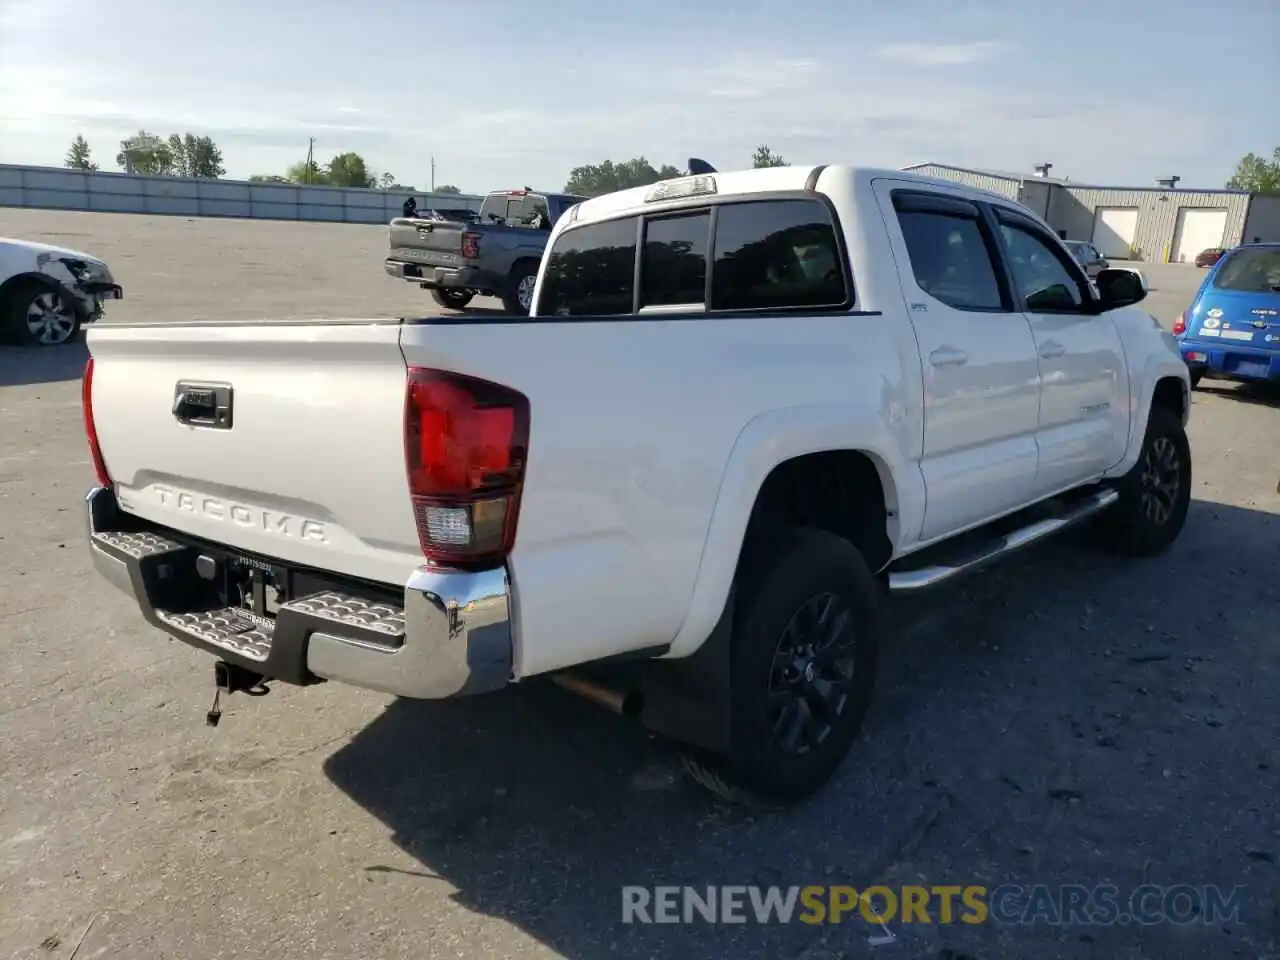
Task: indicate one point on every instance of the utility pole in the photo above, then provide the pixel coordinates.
(433, 173)
(311, 153)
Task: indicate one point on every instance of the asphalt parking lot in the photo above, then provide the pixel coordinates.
(1066, 719)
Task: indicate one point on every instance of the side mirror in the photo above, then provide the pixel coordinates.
(1120, 287)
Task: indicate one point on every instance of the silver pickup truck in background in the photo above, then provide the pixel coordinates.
(497, 257)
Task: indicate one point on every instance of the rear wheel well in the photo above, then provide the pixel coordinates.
(1170, 393)
(839, 491)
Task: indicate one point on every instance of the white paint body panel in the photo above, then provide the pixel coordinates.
(1083, 426)
(312, 470)
(981, 412)
(649, 437)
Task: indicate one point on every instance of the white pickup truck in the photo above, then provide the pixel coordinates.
(743, 407)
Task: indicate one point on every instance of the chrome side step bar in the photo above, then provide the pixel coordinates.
(1032, 533)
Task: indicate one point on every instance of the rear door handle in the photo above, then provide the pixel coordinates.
(1050, 349)
(945, 356)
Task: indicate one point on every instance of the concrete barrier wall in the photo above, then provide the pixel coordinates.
(54, 188)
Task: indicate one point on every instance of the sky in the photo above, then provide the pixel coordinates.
(518, 92)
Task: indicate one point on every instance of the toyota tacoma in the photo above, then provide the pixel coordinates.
(743, 407)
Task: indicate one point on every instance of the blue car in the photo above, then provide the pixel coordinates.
(1231, 331)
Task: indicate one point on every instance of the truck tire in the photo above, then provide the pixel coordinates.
(517, 298)
(804, 652)
(1155, 494)
(452, 299)
(35, 315)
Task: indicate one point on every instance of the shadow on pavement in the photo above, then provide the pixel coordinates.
(1265, 394)
(1058, 720)
(32, 365)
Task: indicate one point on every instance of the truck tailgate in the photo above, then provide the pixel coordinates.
(309, 469)
(432, 242)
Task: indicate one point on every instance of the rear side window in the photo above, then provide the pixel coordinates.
(531, 211)
(774, 254)
(674, 270)
(950, 260)
(591, 271)
(494, 205)
(1250, 271)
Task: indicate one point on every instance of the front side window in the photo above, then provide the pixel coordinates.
(1044, 281)
(674, 270)
(591, 271)
(950, 260)
(776, 254)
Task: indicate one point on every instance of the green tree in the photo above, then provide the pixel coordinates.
(349, 170)
(764, 157)
(145, 153)
(592, 180)
(446, 188)
(388, 182)
(78, 156)
(1257, 174)
(304, 172)
(195, 156)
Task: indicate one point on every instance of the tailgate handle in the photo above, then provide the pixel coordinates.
(202, 404)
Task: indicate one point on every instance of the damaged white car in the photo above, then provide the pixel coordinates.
(47, 292)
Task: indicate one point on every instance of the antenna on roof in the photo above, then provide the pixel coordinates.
(697, 166)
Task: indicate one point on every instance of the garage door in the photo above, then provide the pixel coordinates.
(1197, 230)
(1114, 229)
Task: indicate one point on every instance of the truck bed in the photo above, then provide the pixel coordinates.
(636, 428)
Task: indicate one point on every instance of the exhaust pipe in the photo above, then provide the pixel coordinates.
(623, 703)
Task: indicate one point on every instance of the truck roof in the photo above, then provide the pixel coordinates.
(768, 179)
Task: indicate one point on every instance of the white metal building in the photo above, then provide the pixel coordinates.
(1156, 224)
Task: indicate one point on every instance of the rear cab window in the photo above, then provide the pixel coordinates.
(1250, 270)
(515, 208)
(751, 254)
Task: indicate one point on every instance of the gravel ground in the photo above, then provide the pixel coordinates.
(1065, 719)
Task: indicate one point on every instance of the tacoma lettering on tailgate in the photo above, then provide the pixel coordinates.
(227, 511)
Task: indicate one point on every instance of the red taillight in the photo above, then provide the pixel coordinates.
(1180, 325)
(91, 431)
(471, 246)
(464, 448)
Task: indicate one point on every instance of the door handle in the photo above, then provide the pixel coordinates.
(202, 404)
(1051, 348)
(944, 356)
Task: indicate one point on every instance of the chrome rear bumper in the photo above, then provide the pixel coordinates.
(449, 635)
